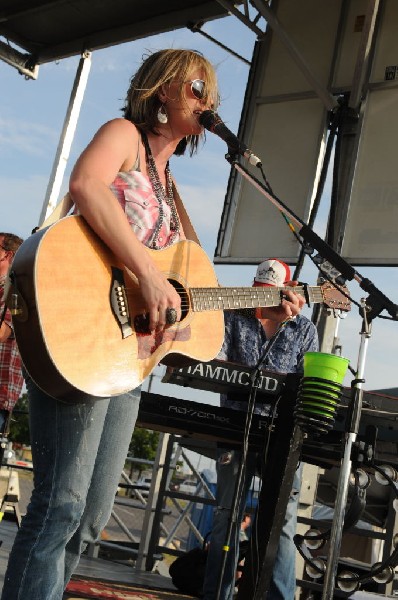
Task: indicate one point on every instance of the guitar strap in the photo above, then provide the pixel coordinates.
(64, 206)
(187, 226)
(61, 210)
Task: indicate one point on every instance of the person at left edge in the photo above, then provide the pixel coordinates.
(122, 186)
(11, 379)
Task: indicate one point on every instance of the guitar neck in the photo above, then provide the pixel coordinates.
(234, 298)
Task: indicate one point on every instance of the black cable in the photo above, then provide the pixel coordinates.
(256, 373)
(239, 487)
(335, 122)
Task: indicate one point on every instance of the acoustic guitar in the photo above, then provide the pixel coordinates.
(80, 320)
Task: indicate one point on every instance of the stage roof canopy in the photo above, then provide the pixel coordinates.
(48, 30)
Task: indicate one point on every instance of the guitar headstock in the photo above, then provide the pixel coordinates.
(334, 298)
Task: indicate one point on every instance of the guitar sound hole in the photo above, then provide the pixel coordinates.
(184, 297)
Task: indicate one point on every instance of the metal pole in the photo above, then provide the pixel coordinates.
(147, 524)
(66, 138)
(345, 472)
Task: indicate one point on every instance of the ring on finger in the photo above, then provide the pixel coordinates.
(171, 316)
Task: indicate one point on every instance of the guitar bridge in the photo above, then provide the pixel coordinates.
(119, 303)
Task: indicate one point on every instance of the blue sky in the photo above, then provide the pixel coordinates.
(31, 119)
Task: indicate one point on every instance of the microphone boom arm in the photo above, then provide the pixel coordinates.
(377, 301)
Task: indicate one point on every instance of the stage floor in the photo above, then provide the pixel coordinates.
(110, 580)
(101, 579)
(108, 573)
(116, 580)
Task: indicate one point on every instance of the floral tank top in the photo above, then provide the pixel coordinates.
(137, 198)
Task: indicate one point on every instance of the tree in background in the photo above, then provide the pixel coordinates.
(144, 442)
(19, 424)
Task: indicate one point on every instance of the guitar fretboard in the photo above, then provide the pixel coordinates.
(230, 298)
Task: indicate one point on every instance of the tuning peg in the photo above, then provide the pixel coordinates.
(340, 280)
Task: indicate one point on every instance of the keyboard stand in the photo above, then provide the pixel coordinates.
(277, 481)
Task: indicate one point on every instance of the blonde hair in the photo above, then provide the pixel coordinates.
(142, 101)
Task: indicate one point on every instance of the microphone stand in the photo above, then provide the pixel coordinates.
(350, 435)
(375, 303)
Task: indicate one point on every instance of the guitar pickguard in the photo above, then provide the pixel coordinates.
(148, 344)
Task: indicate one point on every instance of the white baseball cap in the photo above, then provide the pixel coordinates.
(272, 272)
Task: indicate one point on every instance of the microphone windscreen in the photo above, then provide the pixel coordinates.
(208, 118)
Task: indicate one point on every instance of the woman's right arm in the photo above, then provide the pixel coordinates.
(113, 149)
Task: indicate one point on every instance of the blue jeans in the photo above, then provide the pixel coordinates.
(283, 580)
(78, 455)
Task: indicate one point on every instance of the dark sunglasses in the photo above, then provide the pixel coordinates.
(198, 89)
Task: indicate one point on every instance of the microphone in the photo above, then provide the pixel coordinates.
(211, 121)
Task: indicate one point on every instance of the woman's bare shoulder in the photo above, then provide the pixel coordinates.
(119, 126)
(120, 136)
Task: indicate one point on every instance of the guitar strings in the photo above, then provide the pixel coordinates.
(206, 298)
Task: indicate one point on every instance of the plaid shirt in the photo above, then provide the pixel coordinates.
(245, 341)
(11, 379)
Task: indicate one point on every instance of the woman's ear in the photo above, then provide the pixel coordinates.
(162, 93)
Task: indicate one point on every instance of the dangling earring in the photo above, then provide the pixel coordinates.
(162, 114)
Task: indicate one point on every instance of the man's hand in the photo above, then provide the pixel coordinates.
(290, 306)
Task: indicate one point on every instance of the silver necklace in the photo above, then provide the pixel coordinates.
(162, 196)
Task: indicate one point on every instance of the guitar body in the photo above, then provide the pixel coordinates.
(72, 341)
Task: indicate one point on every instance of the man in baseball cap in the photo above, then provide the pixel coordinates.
(246, 341)
(272, 272)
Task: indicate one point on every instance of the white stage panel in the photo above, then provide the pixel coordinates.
(291, 130)
(371, 232)
(284, 122)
